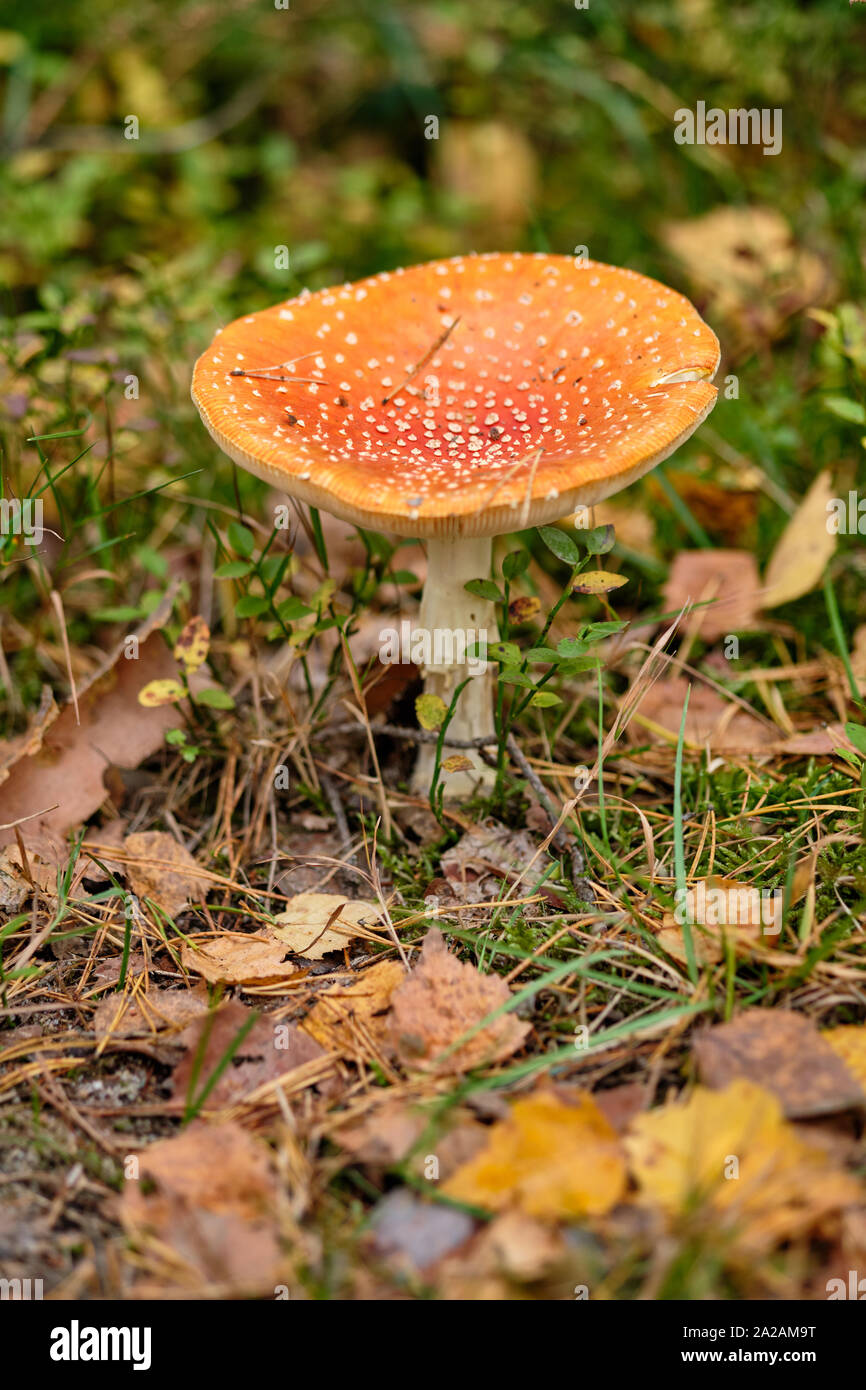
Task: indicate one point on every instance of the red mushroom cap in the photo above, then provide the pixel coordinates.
(544, 384)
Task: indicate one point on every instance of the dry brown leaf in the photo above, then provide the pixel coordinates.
(733, 1153)
(726, 910)
(749, 270)
(721, 724)
(783, 1052)
(237, 959)
(456, 1148)
(798, 562)
(385, 1134)
(315, 923)
(163, 870)
(60, 764)
(620, 1104)
(457, 762)
(549, 1159)
(15, 889)
(483, 856)
(264, 1051)
(728, 513)
(523, 1248)
(20, 874)
(729, 578)
(349, 1015)
(441, 1000)
(213, 1202)
(147, 1014)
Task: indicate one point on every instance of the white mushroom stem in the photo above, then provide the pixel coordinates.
(450, 623)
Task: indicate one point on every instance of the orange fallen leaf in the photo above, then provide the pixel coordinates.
(349, 1016)
(443, 999)
(237, 959)
(547, 1159)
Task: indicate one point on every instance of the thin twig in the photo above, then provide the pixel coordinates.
(414, 735)
(336, 806)
(422, 361)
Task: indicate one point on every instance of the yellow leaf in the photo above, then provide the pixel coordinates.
(524, 609)
(315, 923)
(162, 692)
(431, 710)
(456, 763)
(731, 1151)
(547, 1159)
(191, 647)
(598, 582)
(798, 562)
(849, 1044)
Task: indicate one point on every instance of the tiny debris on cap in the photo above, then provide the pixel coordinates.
(439, 399)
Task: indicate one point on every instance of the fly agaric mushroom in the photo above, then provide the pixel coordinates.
(456, 401)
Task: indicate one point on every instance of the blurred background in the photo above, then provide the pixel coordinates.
(168, 166)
